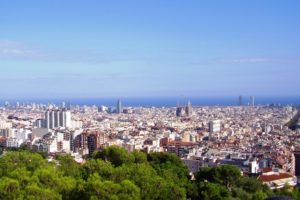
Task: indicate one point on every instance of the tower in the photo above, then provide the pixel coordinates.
(189, 109)
(252, 100)
(57, 118)
(214, 126)
(119, 106)
(240, 100)
(297, 161)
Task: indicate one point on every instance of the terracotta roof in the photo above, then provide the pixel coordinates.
(267, 169)
(274, 177)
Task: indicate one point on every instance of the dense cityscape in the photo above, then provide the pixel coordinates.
(255, 139)
(149, 100)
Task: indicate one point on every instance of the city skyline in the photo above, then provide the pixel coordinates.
(148, 49)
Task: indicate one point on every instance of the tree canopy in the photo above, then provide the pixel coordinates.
(115, 173)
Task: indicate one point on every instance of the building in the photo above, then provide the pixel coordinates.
(119, 106)
(40, 123)
(180, 111)
(189, 109)
(252, 100)
(95, 140)
(214, 126)
(276, 180)
(240, 100)
(179, 148)
(193, 165)
(57, 118)
(297, 162)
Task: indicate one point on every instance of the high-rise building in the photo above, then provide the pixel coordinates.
(119, 106)
(240, 100)
(297, 162)
(189, 109)
(68, 105)
(95, 141)
(180, 111)
(102, 108)
(252, 100)
(57, 118)
(214, 126)
(6, 104)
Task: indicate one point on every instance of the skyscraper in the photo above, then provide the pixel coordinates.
(252, 100)
(119, 106)
(189, 109)
(240, 100)
(214, 126)
(68, 105)
(57, 118)
(297, 161)
(180, 111)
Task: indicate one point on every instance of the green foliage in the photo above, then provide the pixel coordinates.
(116, 155)
(68, 166)
(139, 157)
(20, 159)
(117, 174)
(251, 185)
(9, 188)
(212, 191)
(170, 167)
(259, 196)
(226, 175)
(104, 169)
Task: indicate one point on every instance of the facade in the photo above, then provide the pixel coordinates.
(252, 101)
(184, 110)
(57, 118)
(240, 100)
(193, 165)
(189, 109)
(297, 162)
(214, 126)
(277, 180)
(180, 111)
(95, 140)
(119, 106)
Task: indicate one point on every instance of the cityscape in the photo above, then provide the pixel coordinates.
(147, 100)
(253, 138)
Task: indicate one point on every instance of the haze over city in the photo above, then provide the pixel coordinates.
(149, 100)
(97, 49)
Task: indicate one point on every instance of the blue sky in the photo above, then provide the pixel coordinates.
(149, 48)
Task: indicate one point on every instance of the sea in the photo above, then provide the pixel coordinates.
(160, 102)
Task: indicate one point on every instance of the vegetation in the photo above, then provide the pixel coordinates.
(116, 174)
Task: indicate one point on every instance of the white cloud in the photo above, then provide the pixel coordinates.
(243, 60)
(11, 49)
(16, 50)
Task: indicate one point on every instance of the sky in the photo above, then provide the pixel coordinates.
(149, 48)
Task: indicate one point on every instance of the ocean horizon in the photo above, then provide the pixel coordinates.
(160, 101)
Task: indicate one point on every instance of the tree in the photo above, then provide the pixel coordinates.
(104, 169)
(170, 167)
(129, 191)
(226, 175)
(116, 155)
(33, 192)
(21, 159)
(250, 185)
(139, 157)
(259, 196)
(68, 166)
(212, 191)
(9, 188)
